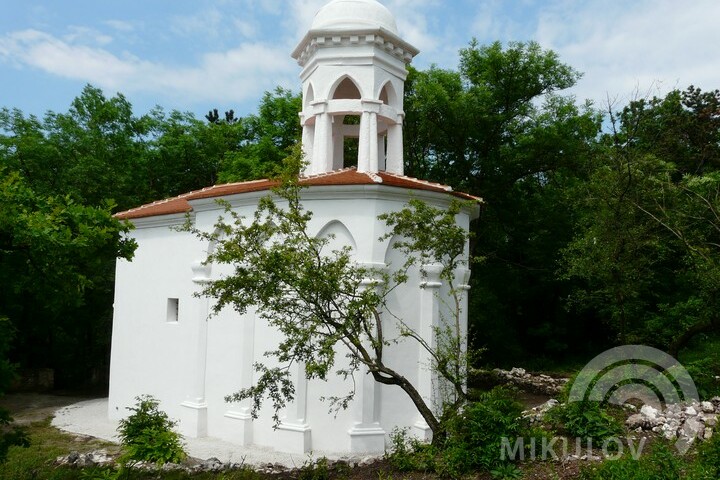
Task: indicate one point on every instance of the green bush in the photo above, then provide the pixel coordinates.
(506, 471)
(658, 464)
(410, 454)
(709, 455)
(475, 434)
(148, 435)
(474, 438)
(10, 436)
(586, 420)
(706, 375)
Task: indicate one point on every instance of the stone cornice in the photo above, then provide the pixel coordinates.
(377, 37)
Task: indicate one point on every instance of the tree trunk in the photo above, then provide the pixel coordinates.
(396, 379)
(680, 342)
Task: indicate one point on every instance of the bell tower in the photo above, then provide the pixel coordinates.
(353, 83)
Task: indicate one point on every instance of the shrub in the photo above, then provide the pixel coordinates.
(507, 471)
(475, 434)
(586, 420)
(709, 455)
(410, 454)
(320, 469)
(659, 464)
(473, 442)
(10, 435)
(706, 375)
(148, 434)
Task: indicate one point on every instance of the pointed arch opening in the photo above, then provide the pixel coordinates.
(309, 96)
(338, 235)
(346, 89)
(388, 95)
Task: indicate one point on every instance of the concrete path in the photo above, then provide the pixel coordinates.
(90, 418)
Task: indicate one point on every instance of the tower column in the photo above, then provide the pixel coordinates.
(373, 160)
(394, 161)
(322, 146)
(294, 434)
(367, 435)
(368, 143)
(308, 139)
(364, 143)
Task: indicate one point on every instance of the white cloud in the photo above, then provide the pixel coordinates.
(206, 21)
(413, 25)
(86, 34)
(245, 28)
(649, 46)
(120, 25)
(299, 16)
(235, 75)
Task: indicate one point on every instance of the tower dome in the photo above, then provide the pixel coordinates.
(354, 15)
(354, 70)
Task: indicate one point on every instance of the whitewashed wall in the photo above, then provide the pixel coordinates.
(191, 365)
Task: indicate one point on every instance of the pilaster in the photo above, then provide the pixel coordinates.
(193, 422)
(429, 322)
(294, 433)
(366, 435)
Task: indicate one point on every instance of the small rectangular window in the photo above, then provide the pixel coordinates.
(173, 310)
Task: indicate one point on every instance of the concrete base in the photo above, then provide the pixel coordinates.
(294, 438)
(422, 431)
(367, 439)
(242, 427)
(193, 421)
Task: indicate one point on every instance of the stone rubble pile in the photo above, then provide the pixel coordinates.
(100, 458)
(540, 384)
(686, 421)
(90, 459)
(537, 414)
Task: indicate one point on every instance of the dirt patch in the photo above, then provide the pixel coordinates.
(27, 408)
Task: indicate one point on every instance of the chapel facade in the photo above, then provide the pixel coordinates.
(164, 344)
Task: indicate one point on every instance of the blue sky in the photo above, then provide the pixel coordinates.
(193, 55)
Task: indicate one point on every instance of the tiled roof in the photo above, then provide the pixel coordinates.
(348, 176)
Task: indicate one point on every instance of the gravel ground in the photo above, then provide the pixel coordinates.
(90, 418)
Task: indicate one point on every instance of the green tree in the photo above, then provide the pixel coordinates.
(499, 129)
(9, 435)
(94, 152)
(647, 233)
(265, 138)
(319, 300)
(55, 270)
(185, 154)
(70, 169)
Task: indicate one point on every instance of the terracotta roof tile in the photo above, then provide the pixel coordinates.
(348, 176)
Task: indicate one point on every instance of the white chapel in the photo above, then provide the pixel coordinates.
(164, 342)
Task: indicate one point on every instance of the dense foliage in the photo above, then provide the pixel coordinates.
(61, 179)
(600, 227)
(473, 442)
(499, 129)
(9, 435)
